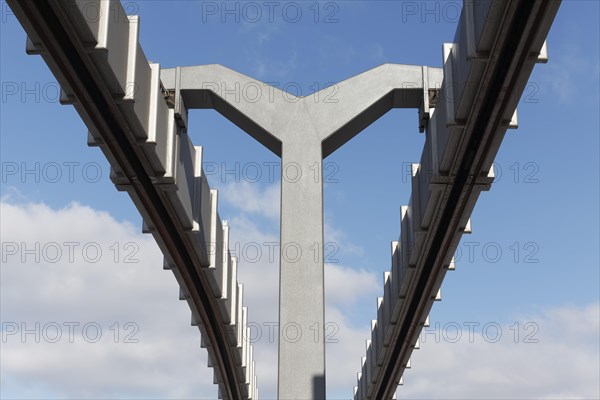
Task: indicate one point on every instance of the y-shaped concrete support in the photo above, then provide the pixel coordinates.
(302, 131)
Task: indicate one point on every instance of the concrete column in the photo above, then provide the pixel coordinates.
(301, 280)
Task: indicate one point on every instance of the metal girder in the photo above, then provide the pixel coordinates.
(104, 73)
(485, 72)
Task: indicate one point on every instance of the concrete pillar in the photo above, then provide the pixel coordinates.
(301, 289)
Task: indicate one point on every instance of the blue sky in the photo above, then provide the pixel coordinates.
(535, 238)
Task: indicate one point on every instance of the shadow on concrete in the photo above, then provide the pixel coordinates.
(318, 387)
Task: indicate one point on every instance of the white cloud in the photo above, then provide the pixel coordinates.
(338, 242)
(249, 198)
(60, 291)
(345, 346)
(552, 355)
(569, 74)
(168, 362)
(347, 286)
(104, 292)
